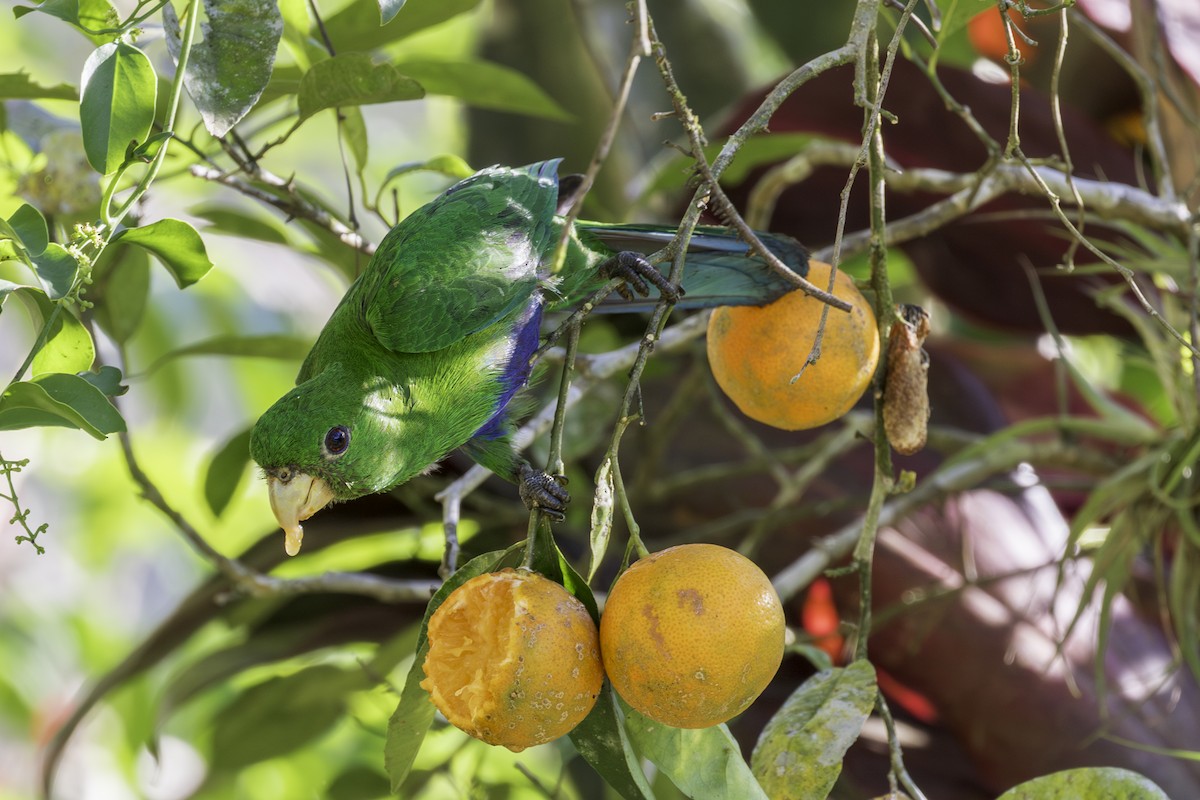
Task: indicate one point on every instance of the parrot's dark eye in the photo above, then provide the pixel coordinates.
(337, 440)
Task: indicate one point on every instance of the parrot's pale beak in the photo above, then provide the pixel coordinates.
(296, 496)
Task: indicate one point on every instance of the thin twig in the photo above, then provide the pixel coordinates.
(292, 204)
(991, 456)
(255, 583)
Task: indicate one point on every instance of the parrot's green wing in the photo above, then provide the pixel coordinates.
(462, 262)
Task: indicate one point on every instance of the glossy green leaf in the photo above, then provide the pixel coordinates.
(122, 293)
(388, 9)
(89, 15)
(176, 244)
(59, 399)
(226, 471)
(279, 715)
(9, 249)
(147, 150)
(56, 270)
(116, 109)
(602, 741)
(7, 288)
(702, 762)
(228, 70)
(271, 345)
(19, 86)
(67, 346)
(353, 79)
(414, 713)
(8, 238)
(107, 379)
(485, 85)
(356, 27)
(29, 226)
(799, 753)
(1110, 783)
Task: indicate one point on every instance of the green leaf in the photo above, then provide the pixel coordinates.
(88, 15)
(279, 715)
(603, 743)
(8, 287)
(147, 150)
(68, 346)
(357, 25)
(388, 9)
(122, 291)
(358, 782)
(353, 79)
(247, 225)
(176, 244)
(446, 164)
(29, 226)
(1111, 783)
(19, 86)
(271, 345)
(62, 400)
(485, 85)
(574, 583)
(225, 472)
(107, 379)
(119, 89)
(702, 762)
(354, 134)
(414, 713)
(799, 753)
(228, 70)
(56, 270)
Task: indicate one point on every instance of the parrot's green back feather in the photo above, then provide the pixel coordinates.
(463, 262)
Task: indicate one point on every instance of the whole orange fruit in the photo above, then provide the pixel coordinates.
(513, 659)
(691, 635)
(755, 351)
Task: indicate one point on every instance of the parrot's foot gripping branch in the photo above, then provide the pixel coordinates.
(636, 271)
(542, 490)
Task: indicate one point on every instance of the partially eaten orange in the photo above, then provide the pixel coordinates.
(514, 659)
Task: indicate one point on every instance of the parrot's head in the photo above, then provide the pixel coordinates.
(325, 440)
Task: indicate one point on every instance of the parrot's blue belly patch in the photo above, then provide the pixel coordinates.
(525, 337)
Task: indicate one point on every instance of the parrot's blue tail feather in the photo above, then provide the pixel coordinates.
(546, 172)
(720, 268)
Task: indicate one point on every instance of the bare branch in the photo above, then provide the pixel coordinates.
(291, 203)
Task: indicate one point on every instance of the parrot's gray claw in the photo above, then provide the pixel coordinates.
(542, 490)
(638, 273)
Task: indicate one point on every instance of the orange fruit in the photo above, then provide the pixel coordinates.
(513, 659)
(691, 635)
(755, 351)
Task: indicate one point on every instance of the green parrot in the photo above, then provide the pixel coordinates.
(432, 342)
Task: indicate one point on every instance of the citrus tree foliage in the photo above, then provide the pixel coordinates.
(148, 195)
